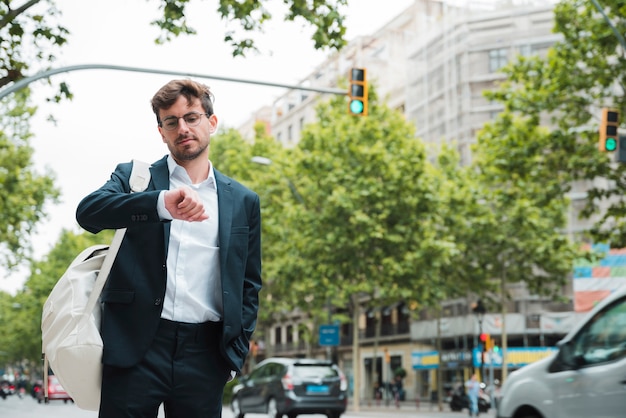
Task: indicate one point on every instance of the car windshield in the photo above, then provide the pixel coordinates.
(604, 339)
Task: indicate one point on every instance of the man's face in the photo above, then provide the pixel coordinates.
(187, 142)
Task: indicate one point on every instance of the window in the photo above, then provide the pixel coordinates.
(497, 59)
(278, 334)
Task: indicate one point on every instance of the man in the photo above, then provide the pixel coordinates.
(181, 301)
(473, 391)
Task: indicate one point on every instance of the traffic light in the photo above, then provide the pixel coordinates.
(608, 130)
(485, 339)
(357, 93)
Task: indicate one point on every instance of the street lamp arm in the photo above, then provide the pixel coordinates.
(20, 84)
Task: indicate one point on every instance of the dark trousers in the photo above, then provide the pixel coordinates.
(183, 370)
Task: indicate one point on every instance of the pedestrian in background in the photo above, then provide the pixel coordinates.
(473, 391)
(180, 304)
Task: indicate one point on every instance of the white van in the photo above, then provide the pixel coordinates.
(586, 377)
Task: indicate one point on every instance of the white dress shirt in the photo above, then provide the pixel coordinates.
(194, 290)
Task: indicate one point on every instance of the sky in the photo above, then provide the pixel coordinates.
(110, 120)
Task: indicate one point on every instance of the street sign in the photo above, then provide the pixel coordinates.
(329, 335)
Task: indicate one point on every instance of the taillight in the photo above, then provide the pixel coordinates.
(287, 382)
(343, 385)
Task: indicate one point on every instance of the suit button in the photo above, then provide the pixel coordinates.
(157, 302)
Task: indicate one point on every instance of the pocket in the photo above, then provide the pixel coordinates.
(118, 296)
(244, 230)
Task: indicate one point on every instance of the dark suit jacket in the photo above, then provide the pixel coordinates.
(133, 295)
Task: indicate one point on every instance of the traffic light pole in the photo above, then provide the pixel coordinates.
(20, 84)
(618, 35)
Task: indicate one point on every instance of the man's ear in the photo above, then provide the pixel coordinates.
(213, 122)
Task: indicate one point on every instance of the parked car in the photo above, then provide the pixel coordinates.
(55, 392)
(459, 399)
(284, 386)
(586, 377)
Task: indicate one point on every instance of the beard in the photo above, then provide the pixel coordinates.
(188, 152)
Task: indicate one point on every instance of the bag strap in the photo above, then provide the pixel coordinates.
(139, 176)
(139, 179)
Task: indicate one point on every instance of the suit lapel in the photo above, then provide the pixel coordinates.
(161, 178)
(225, 208)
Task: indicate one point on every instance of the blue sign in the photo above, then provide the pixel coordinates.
(425, 359)
(516, 356)
(329, 335)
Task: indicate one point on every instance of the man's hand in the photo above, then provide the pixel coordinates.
(185, 204)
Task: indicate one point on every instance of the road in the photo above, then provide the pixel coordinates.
(27, 407)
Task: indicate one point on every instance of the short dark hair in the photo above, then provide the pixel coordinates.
(169, 93)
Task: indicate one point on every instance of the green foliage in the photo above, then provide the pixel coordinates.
(30, 38)
(524, 188)
(566, 89)
(24, 192)
(253, 15)
(367, 224)
(399, 372)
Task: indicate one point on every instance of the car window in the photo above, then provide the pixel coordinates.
(604, 338)
(260, 372)
(303, 372)
(275, 370)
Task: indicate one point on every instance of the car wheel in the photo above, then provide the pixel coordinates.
(333, 414)
(236, 408)
(272, 409)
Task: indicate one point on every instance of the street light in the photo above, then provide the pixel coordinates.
(257, 159)
(479, 311)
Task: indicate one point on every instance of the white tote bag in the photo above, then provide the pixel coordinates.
(70, 322)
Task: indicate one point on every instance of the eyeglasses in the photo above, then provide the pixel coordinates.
(191, 119)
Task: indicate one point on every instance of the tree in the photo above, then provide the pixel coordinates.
(559, 96)
(23, 27)
(530, 214)
(252, 15)
(24, 192)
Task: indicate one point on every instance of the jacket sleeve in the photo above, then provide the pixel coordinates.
(112, 206)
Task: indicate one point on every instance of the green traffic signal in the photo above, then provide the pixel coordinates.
(610, 144)
(356, 106)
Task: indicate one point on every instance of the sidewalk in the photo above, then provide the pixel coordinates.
(405, 406)
(410, 408)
